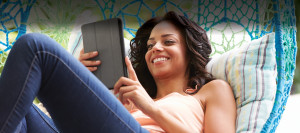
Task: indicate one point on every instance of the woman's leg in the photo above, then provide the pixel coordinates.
(22, 127)
(38, 122)
(76, 100)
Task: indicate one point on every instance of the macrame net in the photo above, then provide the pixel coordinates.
(13, 17)
(229, 24)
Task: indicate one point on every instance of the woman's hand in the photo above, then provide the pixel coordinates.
(91, 65)
(130, 90)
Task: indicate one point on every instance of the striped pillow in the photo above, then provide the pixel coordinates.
(251, 72)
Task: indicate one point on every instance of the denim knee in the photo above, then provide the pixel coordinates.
(33, 42)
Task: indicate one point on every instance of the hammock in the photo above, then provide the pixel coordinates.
(234, 21)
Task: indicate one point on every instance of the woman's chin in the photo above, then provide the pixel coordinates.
(160, 74)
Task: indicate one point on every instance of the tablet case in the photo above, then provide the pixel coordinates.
(106, 37)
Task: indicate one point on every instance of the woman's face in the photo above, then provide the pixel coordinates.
(166, 55)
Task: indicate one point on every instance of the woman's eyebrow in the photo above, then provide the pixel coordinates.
(164, 35)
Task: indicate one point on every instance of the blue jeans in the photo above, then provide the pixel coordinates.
(36, 121)
(76, 100)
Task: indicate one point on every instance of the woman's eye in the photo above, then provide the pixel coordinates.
(169, 42)
(149, 46)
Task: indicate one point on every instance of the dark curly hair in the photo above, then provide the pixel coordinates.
(198, 50)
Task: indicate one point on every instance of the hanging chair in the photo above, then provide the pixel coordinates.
(234, 22)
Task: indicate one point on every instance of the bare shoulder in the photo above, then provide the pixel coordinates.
(214, 90)
(217, 83)
(219, 106)
(219, 89)
(215, 86)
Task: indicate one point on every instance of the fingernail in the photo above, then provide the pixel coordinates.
(97, 61)
(95, 52)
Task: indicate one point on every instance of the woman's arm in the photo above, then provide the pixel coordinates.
(130, 89)
(220, 108)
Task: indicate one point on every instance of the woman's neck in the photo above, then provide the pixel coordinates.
(169, 85)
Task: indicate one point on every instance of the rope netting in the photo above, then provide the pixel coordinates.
(229, 24)
(285, 21)
(13, 17)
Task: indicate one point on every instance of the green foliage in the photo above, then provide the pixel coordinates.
(55, 18)
(36, 101)
(2, 60)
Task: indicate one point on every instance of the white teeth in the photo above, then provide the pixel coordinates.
(159, 59)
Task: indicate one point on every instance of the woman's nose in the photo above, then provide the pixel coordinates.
(157, 47)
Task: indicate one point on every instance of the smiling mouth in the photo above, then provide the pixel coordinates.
(160, 59)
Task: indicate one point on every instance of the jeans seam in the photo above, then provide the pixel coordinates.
(18, 99)
(45, 119)
(88, 88)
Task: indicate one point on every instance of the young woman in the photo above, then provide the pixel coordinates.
(168, 89)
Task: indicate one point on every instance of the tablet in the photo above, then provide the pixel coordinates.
(106, 37)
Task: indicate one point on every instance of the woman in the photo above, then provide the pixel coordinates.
(168, 89)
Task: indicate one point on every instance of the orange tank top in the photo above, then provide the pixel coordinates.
(185, 109)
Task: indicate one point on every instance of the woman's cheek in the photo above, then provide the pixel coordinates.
(147, 57)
